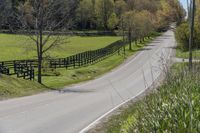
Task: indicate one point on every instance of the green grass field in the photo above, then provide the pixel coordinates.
(15, 47)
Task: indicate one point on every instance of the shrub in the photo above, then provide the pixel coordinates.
(182, 36)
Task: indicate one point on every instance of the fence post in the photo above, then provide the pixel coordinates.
(74, 61)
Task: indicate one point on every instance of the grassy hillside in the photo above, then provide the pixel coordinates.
(14, 87)
(174, 107)
(57, 79)
(21, 47)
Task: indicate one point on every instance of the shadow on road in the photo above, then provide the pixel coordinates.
(74, 91)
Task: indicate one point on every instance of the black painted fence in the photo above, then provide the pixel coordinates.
(25, 68)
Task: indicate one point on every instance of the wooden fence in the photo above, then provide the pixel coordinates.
(25, 68)
(86, 58)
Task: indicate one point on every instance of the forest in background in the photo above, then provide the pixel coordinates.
(104, 14)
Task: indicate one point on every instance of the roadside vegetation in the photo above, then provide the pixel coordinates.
(172, 107)
(11, 87)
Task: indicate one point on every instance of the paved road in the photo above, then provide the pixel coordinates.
(75, 108)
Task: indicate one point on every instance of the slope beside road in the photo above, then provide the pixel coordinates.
(74, 108)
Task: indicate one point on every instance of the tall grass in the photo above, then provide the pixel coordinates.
(172, 108)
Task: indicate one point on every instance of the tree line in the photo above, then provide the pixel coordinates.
(183, 32)
(109, 14)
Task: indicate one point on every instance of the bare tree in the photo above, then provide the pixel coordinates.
(44, 21)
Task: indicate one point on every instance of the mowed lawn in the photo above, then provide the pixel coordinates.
(15, 47)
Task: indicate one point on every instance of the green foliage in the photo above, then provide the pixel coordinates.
(182, 36)
(97, 14)
(137, 24)
(120, 7)
(112, 21)
(104, 9)
(85, 13)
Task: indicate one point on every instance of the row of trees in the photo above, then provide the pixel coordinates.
(108, 14)
(40, 20)
(135, 18)
(183, 32)
(146, 16)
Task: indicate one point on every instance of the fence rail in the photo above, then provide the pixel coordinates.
(25, 68)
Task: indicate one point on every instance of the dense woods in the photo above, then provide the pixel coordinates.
(109, 14)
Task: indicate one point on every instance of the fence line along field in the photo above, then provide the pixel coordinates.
(58, 78)
(17, 47)
(25, 68)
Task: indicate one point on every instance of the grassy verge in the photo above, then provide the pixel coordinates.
(185, 54)
(173, 107)
(13, 87)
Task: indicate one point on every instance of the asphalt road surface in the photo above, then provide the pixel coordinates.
(76, 107)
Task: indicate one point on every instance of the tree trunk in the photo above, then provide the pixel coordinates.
(140, 40)
(123, 36)
(40, 57)
(40, 69)
(40, 60)
(130, 40)
(40, 50)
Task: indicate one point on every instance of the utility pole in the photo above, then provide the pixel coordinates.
(191, 40)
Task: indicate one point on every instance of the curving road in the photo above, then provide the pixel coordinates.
(76, 107)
